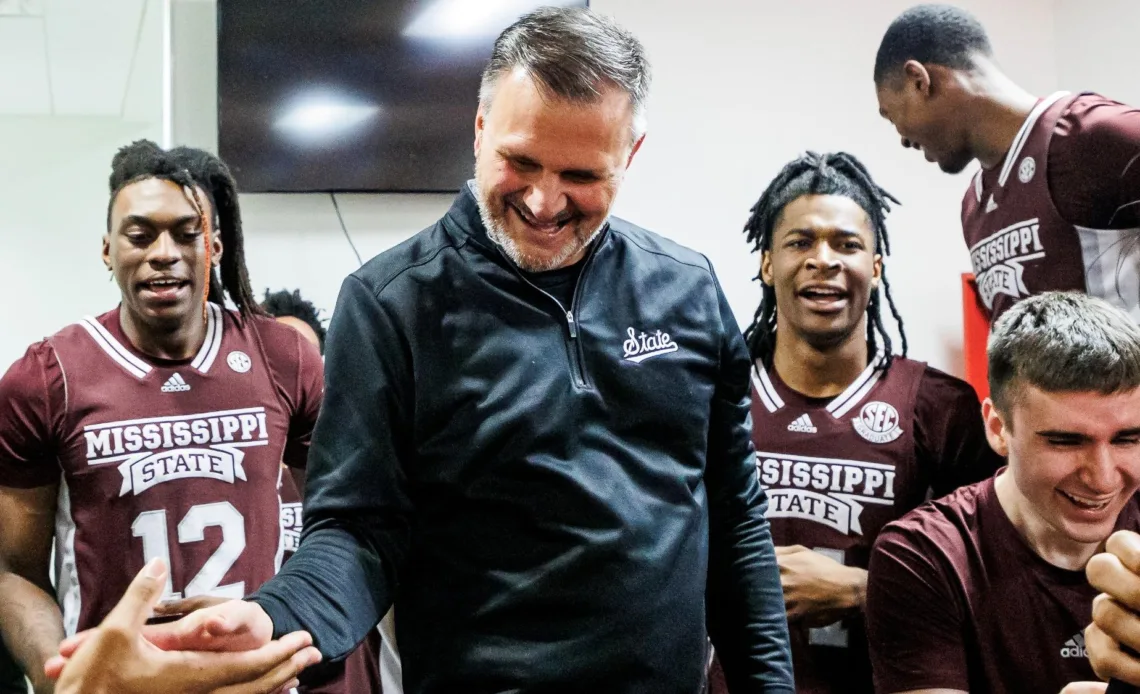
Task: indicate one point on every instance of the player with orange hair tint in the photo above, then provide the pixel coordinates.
(157, 429)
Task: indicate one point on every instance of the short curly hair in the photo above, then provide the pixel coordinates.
(291, 303)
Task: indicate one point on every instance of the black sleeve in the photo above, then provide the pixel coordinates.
(745, 602)
(950, 436)
(344, 575)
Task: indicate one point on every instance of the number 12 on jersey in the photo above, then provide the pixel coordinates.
(151, 526)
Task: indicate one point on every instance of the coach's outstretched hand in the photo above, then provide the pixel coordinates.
(116, 658)
(1113, 639)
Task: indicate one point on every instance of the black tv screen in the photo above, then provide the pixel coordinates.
(354, 95)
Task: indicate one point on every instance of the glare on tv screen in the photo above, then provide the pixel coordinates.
(354, 95)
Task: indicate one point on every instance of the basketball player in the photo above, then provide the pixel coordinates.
(985, 590)
(156, 429)
(1056, 204)
(848, 435)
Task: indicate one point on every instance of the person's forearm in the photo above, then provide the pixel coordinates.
(333, 587)
(746, 615)
(32, 626)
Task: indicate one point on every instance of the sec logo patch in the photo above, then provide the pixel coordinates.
(878, 422)
(1026, 170)
(239, 361)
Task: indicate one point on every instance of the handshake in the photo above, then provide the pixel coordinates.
(223, 648)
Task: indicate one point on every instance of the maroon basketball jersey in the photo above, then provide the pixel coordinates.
(836, 471)
(179, 460)
(957, 600)
(1020, 244)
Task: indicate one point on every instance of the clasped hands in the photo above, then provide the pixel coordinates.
(220, 647)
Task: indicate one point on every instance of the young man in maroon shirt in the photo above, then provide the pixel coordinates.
(984, 590)
(849, 436)
(1058, 194)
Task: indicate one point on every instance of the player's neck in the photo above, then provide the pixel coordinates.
(1052, 546)
(998, 108)
(819, 371)
(181, 341)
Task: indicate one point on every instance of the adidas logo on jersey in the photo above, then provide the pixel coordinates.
(803, 424)
(175, 384)
(1075, 647)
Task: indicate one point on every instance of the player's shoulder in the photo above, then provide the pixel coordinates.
(944, 526)
(40, 367)
(946, 387)
(1093, 104)
(283, 344)
(44, 354)
(31, 370)
(1091, 116)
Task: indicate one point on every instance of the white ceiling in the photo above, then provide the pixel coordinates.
(75, 57)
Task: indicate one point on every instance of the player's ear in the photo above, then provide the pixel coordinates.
(107, 250)
(766, 268)
(876, 272)
(997, 432)
(917, 77)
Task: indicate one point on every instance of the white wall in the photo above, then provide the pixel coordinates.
(80, 79)
(1096, 47)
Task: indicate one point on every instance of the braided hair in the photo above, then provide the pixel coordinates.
(813, 174)
(192, 169)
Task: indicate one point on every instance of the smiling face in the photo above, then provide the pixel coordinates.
(156, 250)
(921, 103)
(1074, 459)
(823, 267)
(547, 170)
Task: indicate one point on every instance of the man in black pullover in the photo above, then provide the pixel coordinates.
(535, 432)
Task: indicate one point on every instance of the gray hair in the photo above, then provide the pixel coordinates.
(1063, 342)
(574, 54)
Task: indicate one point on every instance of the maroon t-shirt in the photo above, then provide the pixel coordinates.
(172, 459)
(836, 470)
(361, 674)
(957, 600)
(1061, 211)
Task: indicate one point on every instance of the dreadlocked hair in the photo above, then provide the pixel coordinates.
(192, 169)
(838, 173)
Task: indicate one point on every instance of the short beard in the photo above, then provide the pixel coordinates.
(498, 234)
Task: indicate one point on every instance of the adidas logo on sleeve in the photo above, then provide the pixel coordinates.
(803, 424)
(175, 384)
(1075, 647)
